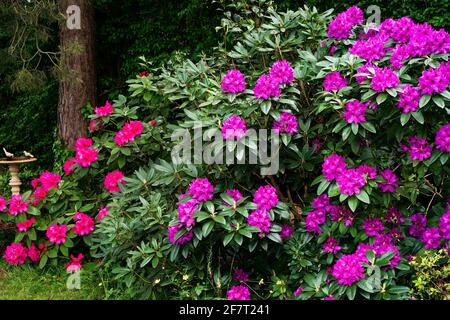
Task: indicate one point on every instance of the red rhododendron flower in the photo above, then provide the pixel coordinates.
(112, 180)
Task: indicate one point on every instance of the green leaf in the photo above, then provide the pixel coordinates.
(369, 127)
(398, 290)
(351, 292)
(418, 116)
(404, 118)
(228, 237)
(439, 102)
(353, 203)
(333, 191)
(43, 261)
(363, 196)
(424, 100)
(381, 98)
(323, 186)
(355, 128)
(275, 237)
(207, 228)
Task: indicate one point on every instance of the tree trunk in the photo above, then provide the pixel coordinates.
(78, 77)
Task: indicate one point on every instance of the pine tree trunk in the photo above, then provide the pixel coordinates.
(78, 80)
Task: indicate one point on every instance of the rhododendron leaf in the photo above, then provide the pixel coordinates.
(64, 250)
(53, 253)
(351, 292)
(424, 100)
(227, 238)
(342, 228)
(404, 118)
(174, 253)
(245, 232)
(266, 106)
(323, 186)
(43, 261)
(403, 266)
(370, 254)
(445, 94)
(238, 239)
(381, 98)
(418, 116)
(32, 234)
(220, 219)
(355, 128)
(346, 133)
(392, 92)
(369, 127)
(353, 203)
(439, 102)
(398, 290)
(363, 196)
(333, 191)
(444, 158)
(365, 285)
(19, 237)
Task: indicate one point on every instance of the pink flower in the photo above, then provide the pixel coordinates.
(102, 213)
(240, 292)
(104, 111)
(186, 237)
(371, 49)
(15, 254)
(286, 231)
(339, 213)
(57, 233)
(234, 128)
(186, 210)
(418, 225)
(333, 166)
(75, 264)
(233, 81)
(266, 86)
(93, 125)
(235, 194)
(431, 238)
(334, 81)
(322, 202)
(399, 55)
(112, 181)
(85, 155)
(282, 71)
(383, 79)
(288, 123)
(266, 197)
(365, 72)
(435, 80)
(129, 132)
(367, 171)
(444, 225)
(351, 181)
(390, 182)
(331, 246)
(394, 217)
(298, 291)
(84, 224)
(355, 111)
(25, 225)
(68, 166)
(442, 140)
(240, 275)
(201, 189)
(372, 226)
(260, 218)
(16, 205)
(341, 26)
(314, 220)
(34, 253)
(348, 270)
(409, 99)
(419, 149)
(2, 204)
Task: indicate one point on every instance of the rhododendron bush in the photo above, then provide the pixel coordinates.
(362, 182)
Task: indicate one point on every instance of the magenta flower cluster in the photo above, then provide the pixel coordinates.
(234, 128)
(384, 78)
(418, 149)
(334, 81)
(268, 85)
(260, 219)
(233, 81)
(409, 99)
(240, 292)
(266, 197)
(355, 111)
(288, 124)
(442, 139)
(341, 26)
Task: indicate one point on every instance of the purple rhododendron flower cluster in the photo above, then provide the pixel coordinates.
(260, 218)
(186, 237)
(390, 182)
(442, 139)
(334, 81)
(288, 124)
(333, 166)
(339, 213)
(233, 81)
(355, 111)
(331, 246)
(418, 226)
(341, 26)
(266, 197)
(409, 99)
(394, 216)
(431, 238)
(418, 149)
(240, 275)
(444, 225)
(371, 49)
(383, 79)
(348, 270)
(286, 231)
(351, 181)
(235, 194)
(234, 128)
(282, 71)
(372, 226)
(201, 189)
(240, 292)
(435, 80)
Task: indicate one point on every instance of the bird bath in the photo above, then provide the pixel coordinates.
(14, 164)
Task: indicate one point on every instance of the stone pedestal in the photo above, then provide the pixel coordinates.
(15, 180)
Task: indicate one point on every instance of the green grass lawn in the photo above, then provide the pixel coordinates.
(30, 283)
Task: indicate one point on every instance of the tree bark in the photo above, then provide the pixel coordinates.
(78, 77)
